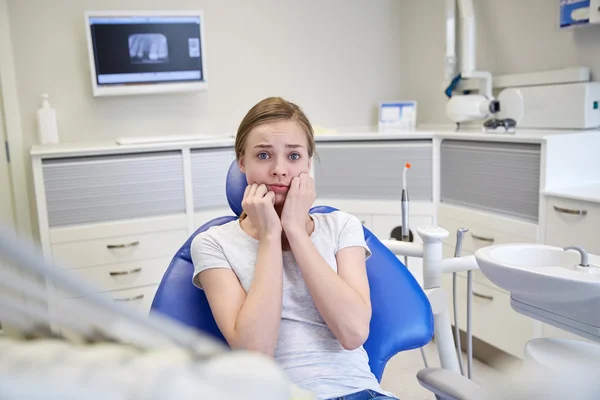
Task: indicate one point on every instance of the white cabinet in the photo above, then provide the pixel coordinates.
(125, 260)
(492, 189)
(484, 229)
(372, 170)
(493, 320)
(116, 219)
(573, 222)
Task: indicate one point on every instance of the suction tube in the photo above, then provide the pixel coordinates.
(460, 233)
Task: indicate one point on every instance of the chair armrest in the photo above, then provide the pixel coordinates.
(449, 385)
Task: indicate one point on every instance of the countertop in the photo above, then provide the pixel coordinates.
(588, 192)
(424, 132)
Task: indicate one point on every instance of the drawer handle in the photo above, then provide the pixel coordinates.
(133, 271)
(134, 298)
(484, 239)
(122, 246)
(483, 296)
(570, 211)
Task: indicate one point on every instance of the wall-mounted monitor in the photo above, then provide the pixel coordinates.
(142, 52)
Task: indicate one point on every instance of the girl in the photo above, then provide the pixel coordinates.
(284, 282)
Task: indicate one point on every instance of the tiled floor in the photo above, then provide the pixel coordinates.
(400, 374)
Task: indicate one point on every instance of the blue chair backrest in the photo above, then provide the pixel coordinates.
(401, 320)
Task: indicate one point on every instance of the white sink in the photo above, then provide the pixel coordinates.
(539, 270)
(547, 283)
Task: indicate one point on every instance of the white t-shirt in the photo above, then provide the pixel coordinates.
(307, 350)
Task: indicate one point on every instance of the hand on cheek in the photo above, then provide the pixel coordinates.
(299, 200)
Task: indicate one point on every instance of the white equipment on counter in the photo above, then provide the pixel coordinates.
(563, 106)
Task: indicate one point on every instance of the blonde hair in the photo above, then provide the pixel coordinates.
(268, 110)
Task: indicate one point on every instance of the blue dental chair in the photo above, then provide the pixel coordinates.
(402, 317)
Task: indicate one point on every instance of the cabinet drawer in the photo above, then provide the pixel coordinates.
(491, 176)
(484, 229)
(119, 249)
(124, 275)
(99, 230)
(209, 169)
(493, 320)
(362, 170)
(567, 225)
(139, 298)
(81, 190)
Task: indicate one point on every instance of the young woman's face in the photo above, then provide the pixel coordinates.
(275, 153)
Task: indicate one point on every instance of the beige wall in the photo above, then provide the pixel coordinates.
(513, 36)
(336, 58)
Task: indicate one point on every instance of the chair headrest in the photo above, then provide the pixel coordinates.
(235, 185)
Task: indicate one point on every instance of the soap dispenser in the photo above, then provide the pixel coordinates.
(47, 126)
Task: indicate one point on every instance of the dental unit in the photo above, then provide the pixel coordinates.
(522, 99)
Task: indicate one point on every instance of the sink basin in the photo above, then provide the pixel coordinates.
(540, 271)
(546, 283)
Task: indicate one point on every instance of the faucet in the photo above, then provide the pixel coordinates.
(582, 251)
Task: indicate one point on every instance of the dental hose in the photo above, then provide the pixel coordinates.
(456, 330)
(469, 337)
(459, 238)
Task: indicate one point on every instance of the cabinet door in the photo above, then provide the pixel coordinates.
(90, 189)
(572, 222)
(373, 170)
(491, 176)
(492, 320)
(209, 175)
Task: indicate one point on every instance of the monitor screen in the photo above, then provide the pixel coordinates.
(153, 49)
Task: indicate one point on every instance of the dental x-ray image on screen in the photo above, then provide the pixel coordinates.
(145, 52)
(148, 48)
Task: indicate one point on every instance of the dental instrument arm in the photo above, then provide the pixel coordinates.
(403, 248)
